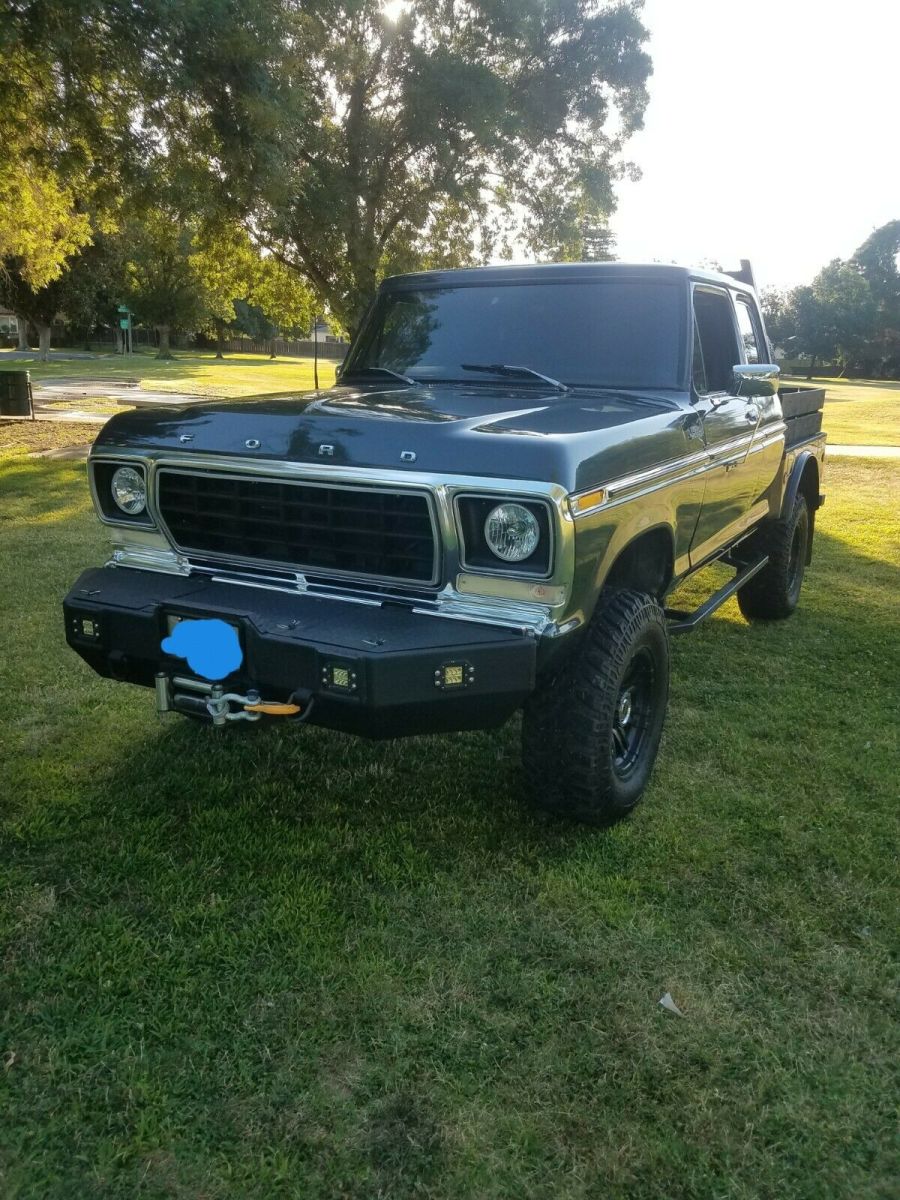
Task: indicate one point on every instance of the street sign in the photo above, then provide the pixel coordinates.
(125, 326)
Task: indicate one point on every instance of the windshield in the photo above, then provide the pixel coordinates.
(618, 334)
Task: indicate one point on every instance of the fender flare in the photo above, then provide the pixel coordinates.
(798, 470)
(793, 484)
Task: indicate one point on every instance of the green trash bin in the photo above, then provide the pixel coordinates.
(15, 394)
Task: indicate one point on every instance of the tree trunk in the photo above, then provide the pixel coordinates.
(220, 339)
(120, 340)
(165, 350)
(44, 342)
(272, 353)
(812, 367)
(23, 333)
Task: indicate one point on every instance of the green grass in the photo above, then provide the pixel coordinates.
(860, 412)
(287, 963)
(197, 374)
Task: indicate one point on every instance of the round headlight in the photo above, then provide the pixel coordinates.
(512, 532)
(129, 490)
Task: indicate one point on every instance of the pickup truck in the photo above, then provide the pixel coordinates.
(488, 511)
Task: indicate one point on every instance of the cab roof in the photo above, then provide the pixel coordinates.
(560, 272)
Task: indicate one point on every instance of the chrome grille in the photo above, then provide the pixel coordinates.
(319, 527)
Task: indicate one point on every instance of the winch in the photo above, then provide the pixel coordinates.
(198, 698)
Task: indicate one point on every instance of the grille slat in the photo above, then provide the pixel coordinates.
(355, 531)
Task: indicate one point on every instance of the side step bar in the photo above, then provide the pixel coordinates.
(683, 622)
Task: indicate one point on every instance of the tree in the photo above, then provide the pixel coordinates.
(190, 275)
(40, 226)
(774, 305)
(282, 301)
(847, 311)
(879, 260)
(163, 285)
(598, 242)
(84, 292)
(231, 271)
(227, 266)
(36, 306)
(68, 98)
(356, 137)
(830, 320)
(92, 286)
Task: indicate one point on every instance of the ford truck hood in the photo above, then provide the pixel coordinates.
(493, 431)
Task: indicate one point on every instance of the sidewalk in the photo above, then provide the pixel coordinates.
(124, 393)
(863, 451)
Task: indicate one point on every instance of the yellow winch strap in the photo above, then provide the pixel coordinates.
(273, 709)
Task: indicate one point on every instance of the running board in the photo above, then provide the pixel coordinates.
(683, 622)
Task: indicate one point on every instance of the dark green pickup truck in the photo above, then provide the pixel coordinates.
(487, 513)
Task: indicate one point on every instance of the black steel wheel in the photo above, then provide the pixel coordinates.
(774, 592)
(590, 736)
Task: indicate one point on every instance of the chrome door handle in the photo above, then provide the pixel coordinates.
(752, 413)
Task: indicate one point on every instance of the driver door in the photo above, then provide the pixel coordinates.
(729, 423)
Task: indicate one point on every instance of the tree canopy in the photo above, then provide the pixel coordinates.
(70, 89)
(349, 143)
(359, 145)
(850, 314)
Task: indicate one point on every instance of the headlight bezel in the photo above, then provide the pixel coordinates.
(100, 474)
(475, 555)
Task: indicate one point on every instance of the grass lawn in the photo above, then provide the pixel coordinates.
(200, 374)
(287, 963)
(860, 412)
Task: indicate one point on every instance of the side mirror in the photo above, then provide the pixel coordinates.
(755, 379)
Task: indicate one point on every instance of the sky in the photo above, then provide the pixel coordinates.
(772, 133)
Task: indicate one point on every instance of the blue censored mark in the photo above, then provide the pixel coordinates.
(211, 647)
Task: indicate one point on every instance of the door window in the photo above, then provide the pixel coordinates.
(749, 332)
(715, 342)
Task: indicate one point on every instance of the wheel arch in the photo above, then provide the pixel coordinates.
(803, 481)
(646, 563)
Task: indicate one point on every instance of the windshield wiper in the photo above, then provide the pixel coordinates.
(511, 369)
(354, 372)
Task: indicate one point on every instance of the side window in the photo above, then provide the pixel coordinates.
(716, 340)
(749, 333)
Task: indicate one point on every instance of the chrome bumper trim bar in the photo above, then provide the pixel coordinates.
(533, 619)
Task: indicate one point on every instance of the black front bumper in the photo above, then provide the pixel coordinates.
(300, 646)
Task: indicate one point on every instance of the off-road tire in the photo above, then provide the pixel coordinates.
(773, 593)
(572, 731)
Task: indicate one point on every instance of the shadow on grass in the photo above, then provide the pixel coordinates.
(427, 799)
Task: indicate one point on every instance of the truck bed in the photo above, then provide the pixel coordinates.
(802, 408)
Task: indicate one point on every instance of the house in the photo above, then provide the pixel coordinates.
(9, 325)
